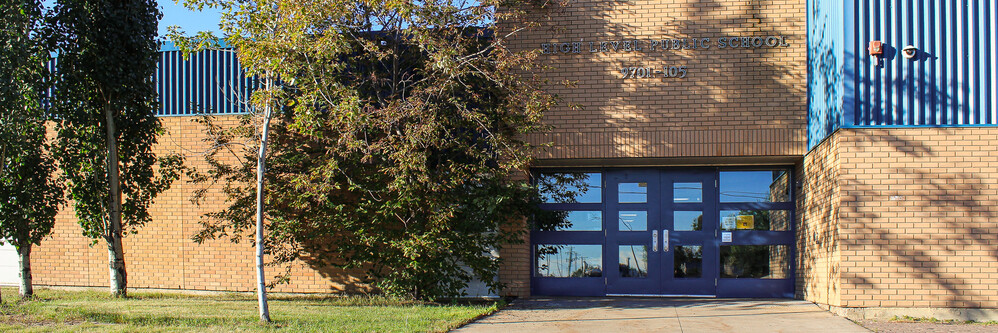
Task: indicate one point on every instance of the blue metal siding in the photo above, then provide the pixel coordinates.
(951, 81)
(208, 81)
(826, 39)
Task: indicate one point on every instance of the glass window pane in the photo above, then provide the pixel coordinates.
(771, 220)
(688, 260)
(633, 261)
(755, 261)
(575, 187)
(687, 221)
(568, 260)
(575, 220)
(687, 192)
(633, 221)
(755, 186)
(632, 192)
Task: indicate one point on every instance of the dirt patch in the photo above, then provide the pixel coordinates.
(34, 321)
(920, 327)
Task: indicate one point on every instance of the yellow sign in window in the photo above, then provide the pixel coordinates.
(746, 222)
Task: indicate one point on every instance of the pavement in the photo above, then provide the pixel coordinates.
(622, 314)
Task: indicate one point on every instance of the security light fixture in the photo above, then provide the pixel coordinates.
(909, 52)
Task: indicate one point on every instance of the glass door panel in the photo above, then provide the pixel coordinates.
(689, 230)
(632, 252)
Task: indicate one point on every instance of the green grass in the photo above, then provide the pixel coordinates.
(909, 319)
(91, 311)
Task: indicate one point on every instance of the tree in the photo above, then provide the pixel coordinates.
(398, 139)
(265, 101)
(105, 103)
(29, 194)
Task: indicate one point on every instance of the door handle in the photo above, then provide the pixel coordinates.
(654, 240)
(665, 240)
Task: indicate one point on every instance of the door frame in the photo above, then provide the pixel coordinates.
(722, 287)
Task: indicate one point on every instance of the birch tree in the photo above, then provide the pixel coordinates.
(30, 195)
(105, 103)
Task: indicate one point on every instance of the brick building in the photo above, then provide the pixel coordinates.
(729, 148)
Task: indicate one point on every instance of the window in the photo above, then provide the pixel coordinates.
(571, 220)
(754, 219)
(632, 192)
(755, 186)
(576, 187)
(568, 260)
(755, 261)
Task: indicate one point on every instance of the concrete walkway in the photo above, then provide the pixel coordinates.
(624, 314)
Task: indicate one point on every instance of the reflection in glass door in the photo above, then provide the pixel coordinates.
(689, 248)
(632, 242)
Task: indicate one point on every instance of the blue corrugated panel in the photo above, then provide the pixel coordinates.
(951, 79)
(826, 39)
(209, 81)
(950, 82)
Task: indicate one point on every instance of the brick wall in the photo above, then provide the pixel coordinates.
(917, 223)
(733, 101)
(919, 217)
(818, 276)
(161, 254)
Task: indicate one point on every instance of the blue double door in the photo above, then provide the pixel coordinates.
(661, 231)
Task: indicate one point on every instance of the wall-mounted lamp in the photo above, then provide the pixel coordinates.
(876, 49)
(909, 52)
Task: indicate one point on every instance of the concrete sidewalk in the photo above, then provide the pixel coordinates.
(623, 314)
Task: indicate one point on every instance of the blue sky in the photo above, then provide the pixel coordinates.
(190, 21)
(175, 14)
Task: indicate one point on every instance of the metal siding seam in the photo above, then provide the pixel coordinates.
(226, 83)
(909, 112)
(921, 67)
(865, 107)
(239, 88)
(853, 27)
(172, 83)
(953, 112)
(988, 69)
(201, 69)
(944, 61)
(897, 79)
(216, 82)
(159, 82)
(176, 94)
(876, 113)
(890, 38)
(937, 47)
(230, 82)
(975, 38)
(164, 84)
(188, 89)
(964, 65)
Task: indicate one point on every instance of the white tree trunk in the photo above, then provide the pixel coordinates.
(24, 265)
(115, 252)
(261, 168)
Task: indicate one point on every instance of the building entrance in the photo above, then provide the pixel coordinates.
(701, 232)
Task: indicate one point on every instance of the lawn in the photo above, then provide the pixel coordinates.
(91, 311)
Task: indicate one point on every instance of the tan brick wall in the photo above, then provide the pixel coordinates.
(734, 101)
(161, 254)
(919, 217)
(818, 276)
(917, 223)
